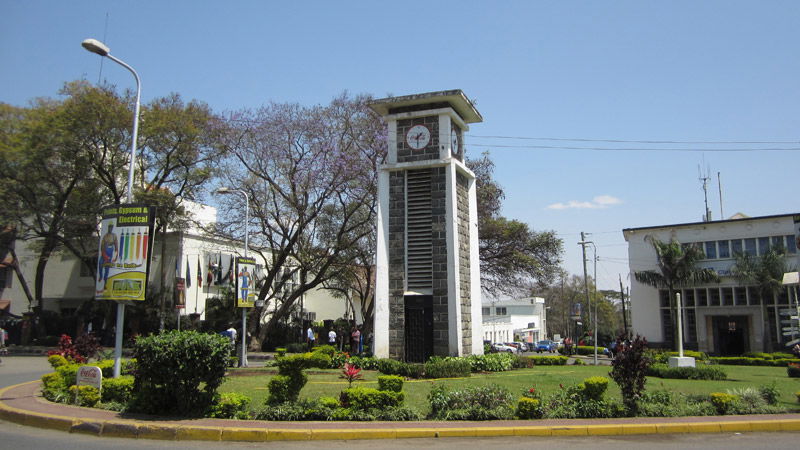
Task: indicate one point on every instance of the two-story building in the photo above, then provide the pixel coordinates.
(524, 319)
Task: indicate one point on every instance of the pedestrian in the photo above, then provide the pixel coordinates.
(355, 339)
(231, 333)
(310, 337)
(332, 337)
(796, 350)
(568, 345)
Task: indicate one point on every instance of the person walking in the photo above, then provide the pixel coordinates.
(310, 337)
(332, 337)
(355, 340)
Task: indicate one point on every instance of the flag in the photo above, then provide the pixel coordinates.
(188, 274)
(230, 271)
(219, 270)
(199, 273)
(210, 273)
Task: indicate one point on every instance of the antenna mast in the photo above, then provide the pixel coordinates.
(719, 183)
(704, 178)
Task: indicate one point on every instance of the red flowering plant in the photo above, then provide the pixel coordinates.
(67, 349)
(351, 373)
(532, 393)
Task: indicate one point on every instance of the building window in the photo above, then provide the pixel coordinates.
(711, 250)
(750, 246)
(791, 245)
(724, 249)
(713, 297)
(740, 296)
(486, 311)
(688, 296)
(736, 246)
(752, 294)
(727, 296)
(763, 245)
(500, 311)
(702, 297)
(691, 326)
(666, 326)
(663, 298)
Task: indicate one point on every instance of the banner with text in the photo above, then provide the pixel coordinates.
(245, 287)
(123, 262)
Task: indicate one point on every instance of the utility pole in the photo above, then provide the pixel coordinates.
(624, 314)
(583, 243)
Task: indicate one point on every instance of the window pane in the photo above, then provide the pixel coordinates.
(713, 297)
(485, 311)
(750, 246)
(763, 245)
(724, 249)
(791, 245)
(740, 296)
(688, 296)
(702, 297)
(736, 246)
(663, 298)
(777, 242)
(727, 296)
(711, 250)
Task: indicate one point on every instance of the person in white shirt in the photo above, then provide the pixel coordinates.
(331, 337)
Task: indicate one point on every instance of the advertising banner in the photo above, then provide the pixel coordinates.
(123, 261)
(180, 293)
(245, 286)
(577, 311)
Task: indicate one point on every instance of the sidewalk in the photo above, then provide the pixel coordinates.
(23, 404)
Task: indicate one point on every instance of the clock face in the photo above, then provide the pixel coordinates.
(454, 141)
(418, 137)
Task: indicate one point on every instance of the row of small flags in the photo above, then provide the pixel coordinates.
(214, 276)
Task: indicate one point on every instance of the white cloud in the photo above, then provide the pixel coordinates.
(599, 202)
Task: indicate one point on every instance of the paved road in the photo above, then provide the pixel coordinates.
(19, 369)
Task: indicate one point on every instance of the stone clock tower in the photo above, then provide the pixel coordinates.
(427, 290)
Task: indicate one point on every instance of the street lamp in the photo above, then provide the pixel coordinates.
(225, 190)
(95, 46)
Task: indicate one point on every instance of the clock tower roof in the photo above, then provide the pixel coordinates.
(430, 100)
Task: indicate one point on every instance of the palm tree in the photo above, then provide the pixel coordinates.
(766, 272)
(677, 266)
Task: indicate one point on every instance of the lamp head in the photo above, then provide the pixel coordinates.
(223, 190)
(95, 46)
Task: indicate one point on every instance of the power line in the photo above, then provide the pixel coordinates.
(622, 149)
(630, 141)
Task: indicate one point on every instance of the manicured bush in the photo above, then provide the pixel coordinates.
(723, 402)
(751, 361)
(687, 373)
(770, 393)
(365, 398)
(662, 357)
(594, 387)
(447, 368)
(280, 351)
(390, 366)
(85, 395)
(285, 388)
(57, 361)
(117, 389)
(551, 360)
(529, 408)
(53, 387)
(296, 347)
(793, 370)
(491, 362)
(584, 350)
(296, 411)
(473, 403)
(392, 383)
(231, 405)
(326, 349)
(178, 372)
(364, 362)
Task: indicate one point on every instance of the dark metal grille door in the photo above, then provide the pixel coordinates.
(419, 328)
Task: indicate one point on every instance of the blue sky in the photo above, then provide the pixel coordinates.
(678, 71)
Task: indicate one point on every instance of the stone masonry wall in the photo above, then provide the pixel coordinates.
(430, 152)
(462, 198)
(397, 220)
(441, 345)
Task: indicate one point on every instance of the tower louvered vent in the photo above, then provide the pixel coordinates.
(418, 229)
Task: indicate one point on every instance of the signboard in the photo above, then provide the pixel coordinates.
(180, 293)
(577, 310)
(245, 284)
(90, 376)
(123, 263)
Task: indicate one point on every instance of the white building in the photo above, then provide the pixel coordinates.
(523, 318)
(188, 254)
(721, 318)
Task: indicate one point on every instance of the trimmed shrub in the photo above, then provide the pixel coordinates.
(687, 373)
(390, 366)
(363, 362)
(231, 405)
(529, 408)
(285, 388)
(551, 360)
(662, 357)
(85, 395)
(280, 351)
(793, 370)
(296, 347)
(491, 362)
(473, 403)
(326, 349)
(57, 361)
(770, 393)
(301, 410)
(364, 398)
(178, 372)
(392, 383)
(750, 361)
(117, 389)
(584, 350)
(629, 369)
(53, 387)
(594, 387)
(723, 402)
(397, 414)
(447, 368)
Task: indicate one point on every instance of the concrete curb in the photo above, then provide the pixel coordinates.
(272, 431)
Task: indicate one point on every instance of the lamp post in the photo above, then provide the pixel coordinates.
(596, 317)
(225, 190)
(95, 46)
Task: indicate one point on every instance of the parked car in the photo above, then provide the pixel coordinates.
(546, 346)
(500, 347)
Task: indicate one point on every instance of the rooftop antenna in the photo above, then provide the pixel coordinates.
(719, 183)
(704, 178)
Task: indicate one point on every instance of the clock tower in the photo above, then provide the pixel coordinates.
(427, 288)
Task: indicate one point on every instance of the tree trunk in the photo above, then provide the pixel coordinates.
(766, 333)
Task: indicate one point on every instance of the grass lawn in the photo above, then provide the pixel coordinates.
(546, 379)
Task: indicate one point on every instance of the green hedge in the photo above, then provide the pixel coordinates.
(364, 398)
(117, 389)
(448, 368)
(752, 361)
(392, 383)
(548, 360)
(687, 373)
(581, 350)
